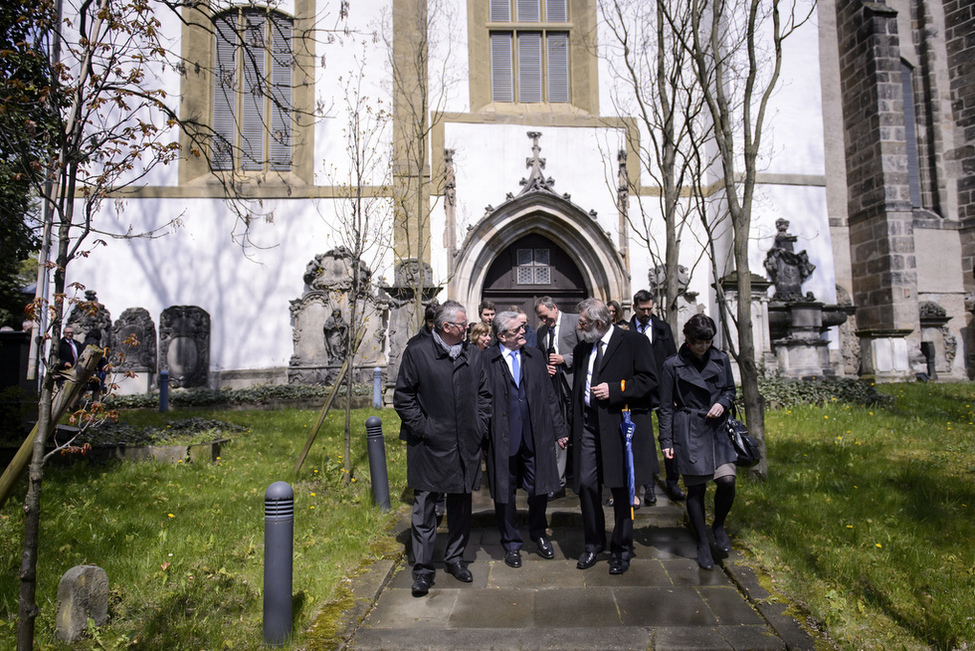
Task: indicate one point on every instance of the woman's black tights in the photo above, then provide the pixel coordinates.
(724, 497)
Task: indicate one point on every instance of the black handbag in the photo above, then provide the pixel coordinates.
(745, 446)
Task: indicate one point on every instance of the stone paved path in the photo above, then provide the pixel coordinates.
(663, 602)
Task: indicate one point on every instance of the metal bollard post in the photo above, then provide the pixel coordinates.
(279, 510)
(377, 388)
(377, 462)
(163, 391)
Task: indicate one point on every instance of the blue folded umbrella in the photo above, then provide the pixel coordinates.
(627, 428)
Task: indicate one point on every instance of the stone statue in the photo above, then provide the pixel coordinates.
(336, 332)
(91, 315)
(786, 268)
(333, 270)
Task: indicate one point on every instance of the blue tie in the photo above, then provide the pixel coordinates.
(515, 369)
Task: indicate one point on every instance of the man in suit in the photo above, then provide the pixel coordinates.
(526, 427)
(614, 370)
(444, 405)
(69, 350)
(662, 341)
(557, 336)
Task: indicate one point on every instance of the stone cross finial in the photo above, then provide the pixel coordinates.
(536, 181)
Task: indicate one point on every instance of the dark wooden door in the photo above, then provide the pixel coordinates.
(534, 266)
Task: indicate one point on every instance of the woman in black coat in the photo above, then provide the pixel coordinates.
(696, 393)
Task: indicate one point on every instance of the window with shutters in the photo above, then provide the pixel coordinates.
(252, 91)
(529, 42)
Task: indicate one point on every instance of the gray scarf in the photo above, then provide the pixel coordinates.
(454, 351)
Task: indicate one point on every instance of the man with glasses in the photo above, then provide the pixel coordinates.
(443, 401)
(526, 426)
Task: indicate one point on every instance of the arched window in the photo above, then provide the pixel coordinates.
(252, 91)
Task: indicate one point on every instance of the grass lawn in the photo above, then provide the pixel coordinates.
(183, 544)
(867, 517)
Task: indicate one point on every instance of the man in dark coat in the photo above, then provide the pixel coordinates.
(69, 349)
(526, 426)
(664, 347)
(444, 404)
(557, 336)
(614, 370)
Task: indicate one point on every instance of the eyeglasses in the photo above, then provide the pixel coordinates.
(462, 325)
(520, 328)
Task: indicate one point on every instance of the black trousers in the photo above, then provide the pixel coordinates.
(590, 492)
(424, 529)
(521, 472)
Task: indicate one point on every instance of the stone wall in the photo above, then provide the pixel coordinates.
(880, 214)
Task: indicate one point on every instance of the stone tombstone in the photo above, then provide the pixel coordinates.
(321, 320)
(934, 330)
(91, 315)
(135, 325)
(82, 594)
(184, 345)
(409, 276)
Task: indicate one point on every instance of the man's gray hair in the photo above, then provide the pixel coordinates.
(502, 321)
(596, 312)
(546, 301)
(448, 313)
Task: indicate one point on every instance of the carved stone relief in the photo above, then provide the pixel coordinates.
(184, 345)
(134, 342)
(89, 316)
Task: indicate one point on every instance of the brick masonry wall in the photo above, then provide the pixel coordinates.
(880, 216)
(960, 44)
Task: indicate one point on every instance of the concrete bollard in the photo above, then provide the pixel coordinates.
(377, 388)
(377, 462)
(163, 391)
(82, 593)
(279, 510)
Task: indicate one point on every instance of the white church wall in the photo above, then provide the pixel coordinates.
(246, 292)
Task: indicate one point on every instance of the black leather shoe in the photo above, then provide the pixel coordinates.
(674, 491)
(587, 560)
(721, 540)
(421, 585)
(557, 495)
(545, 549)
(512, 558)
(460, 572)
(618, 565)
(649, 496)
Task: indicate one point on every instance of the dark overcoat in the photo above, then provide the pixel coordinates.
(663, 344)
(543, 411)
(444, 406)
(629, 369)
(688, 389)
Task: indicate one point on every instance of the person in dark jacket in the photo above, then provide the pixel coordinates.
(526, 425)
(696, 393)
(662, 341)
(444, 404)
(614, 369)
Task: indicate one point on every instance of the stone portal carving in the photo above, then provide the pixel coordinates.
(787, 269)
(942, 344)
(89, 316)
(184, 345)
(134, 342)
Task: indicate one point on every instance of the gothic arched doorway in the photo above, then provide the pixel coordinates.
(531, 267)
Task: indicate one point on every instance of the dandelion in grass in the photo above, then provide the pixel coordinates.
(171, 515)
(849, 526)
(879, 546)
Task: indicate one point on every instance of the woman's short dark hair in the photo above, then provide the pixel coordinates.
(700, 327)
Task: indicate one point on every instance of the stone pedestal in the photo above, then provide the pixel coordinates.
(883, 355)
(802, 352)
(760, 321)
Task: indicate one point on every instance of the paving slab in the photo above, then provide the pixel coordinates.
(665, 601)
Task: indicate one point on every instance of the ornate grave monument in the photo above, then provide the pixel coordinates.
(133, 350)
(184, 345)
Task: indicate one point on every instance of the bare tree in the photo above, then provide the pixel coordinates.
(736, 53)
(363, 216)
(654, 81)
(113, 125)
